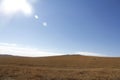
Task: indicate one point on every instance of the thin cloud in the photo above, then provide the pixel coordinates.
(90, 54)
(7, 44)
(14, 49)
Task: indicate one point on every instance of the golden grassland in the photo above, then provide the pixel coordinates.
(69, 67)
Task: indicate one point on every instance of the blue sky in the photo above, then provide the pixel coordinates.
(73, 26)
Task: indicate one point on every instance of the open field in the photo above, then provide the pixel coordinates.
(59, 68)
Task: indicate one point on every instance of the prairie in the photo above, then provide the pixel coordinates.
(67, 67)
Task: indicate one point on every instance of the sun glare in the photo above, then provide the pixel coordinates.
(11, 7)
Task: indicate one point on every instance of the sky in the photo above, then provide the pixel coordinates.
(55, 27)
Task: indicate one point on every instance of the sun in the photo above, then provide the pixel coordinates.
(11, 7)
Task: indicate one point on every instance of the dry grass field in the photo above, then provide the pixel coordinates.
(68, 67)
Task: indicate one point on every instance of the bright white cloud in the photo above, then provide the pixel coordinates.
(14, 49)
(11, 7)
(44, 24)
(90, 54)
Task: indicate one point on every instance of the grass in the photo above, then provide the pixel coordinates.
(59, 68)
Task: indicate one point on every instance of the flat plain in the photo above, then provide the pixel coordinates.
(66, 67)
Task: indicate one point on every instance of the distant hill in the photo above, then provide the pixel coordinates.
(5, 55)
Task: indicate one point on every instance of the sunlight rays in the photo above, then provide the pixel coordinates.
(11, 7)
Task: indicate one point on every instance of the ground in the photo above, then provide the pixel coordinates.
(69, 67)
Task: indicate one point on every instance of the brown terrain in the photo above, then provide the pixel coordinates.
(67, 67)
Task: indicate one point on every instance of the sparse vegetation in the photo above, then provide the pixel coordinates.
(59, 68)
